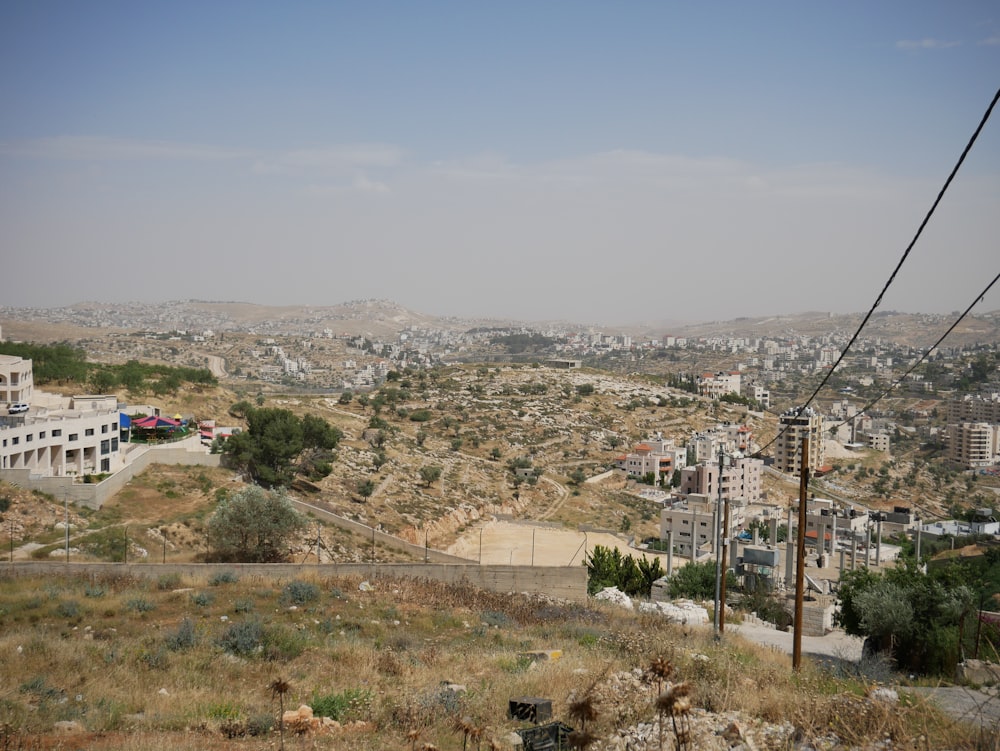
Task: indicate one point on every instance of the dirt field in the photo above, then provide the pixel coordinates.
(525, 544)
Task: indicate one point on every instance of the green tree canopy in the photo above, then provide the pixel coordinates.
(277, 444)
(253, 525)
(917, 618)
(607, 567)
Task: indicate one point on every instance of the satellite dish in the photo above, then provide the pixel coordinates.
(813, 584)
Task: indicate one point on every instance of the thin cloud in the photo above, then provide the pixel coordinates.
(101, 148)
(992, 41)
(331, 159)
(925, 44)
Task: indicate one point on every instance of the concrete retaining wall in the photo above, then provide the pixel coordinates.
(96, 494)
(563, 582)
(380, 538)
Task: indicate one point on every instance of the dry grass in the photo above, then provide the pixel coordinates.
(113, 655)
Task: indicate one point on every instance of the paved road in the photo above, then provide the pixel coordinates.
(962, 703)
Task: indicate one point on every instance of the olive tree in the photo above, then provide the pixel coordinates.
(253, 525)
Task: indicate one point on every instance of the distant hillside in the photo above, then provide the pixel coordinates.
(385, 319)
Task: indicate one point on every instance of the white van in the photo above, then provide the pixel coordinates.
(17, 408)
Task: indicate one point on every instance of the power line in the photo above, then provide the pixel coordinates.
(892, 277)
(924, 356)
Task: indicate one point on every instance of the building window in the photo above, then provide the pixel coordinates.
(114, 444)
(105, 465)
(114, 426)
(41, 435)
(74, 436)
(29, 438)
(15, 440)
(57, 432)
(89, 431)
(105, 447)
(104, 428)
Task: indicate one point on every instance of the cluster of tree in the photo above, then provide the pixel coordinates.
(51, 362)
(607, 567)
(278, 445)
(253, 525)
(924, 621)
(140, 378)
(520, 343)
(683, 382)
(696, 581)
(746, 401)
(61, 363)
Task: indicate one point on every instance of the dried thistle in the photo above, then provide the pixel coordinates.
(583, 711)
(278, 688)
(659, 670)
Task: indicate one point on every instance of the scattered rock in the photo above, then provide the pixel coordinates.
(68, 726)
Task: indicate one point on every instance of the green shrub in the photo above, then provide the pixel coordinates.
(243, 639)
(168, 581)
(139, 605)
(349, 704)
(222, 710)
(259, 725)
(243, 605)
(68, 609)
(183, 638)
(202, 599)
(94, 590)
(420, 415)
(223, 577)
(299, 593)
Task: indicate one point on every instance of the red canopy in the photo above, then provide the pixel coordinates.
(148, 423)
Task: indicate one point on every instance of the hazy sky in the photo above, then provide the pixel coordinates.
(609, 162)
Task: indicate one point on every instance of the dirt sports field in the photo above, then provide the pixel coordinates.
(525, 544)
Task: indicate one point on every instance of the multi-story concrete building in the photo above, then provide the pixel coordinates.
(794, 425)
(974, 444)
(740, 480)
(975, 408)
(758, 393)
(80, 440)
(879, 441)
(657, 456)
(16, 379)
(63, 443)
(691, 527)
(719, 384)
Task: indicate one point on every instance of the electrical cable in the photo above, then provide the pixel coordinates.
(892, 277)
(924, 356)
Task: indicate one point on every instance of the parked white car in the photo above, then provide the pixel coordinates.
(17, 408)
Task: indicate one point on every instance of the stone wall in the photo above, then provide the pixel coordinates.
(563, 582)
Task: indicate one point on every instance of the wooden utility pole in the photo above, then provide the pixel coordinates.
(800, 554)
(725, 551)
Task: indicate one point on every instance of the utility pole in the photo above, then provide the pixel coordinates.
(725, 556)
(800, 563)
(718, 556)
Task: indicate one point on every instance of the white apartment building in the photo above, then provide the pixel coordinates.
(16, 379)
(974, 444)
(758, 393)
(719, 384)
(655, 455)
(81, 440)
(64, 443)
(793, 426)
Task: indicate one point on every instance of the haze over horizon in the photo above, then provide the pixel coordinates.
(584, 162)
